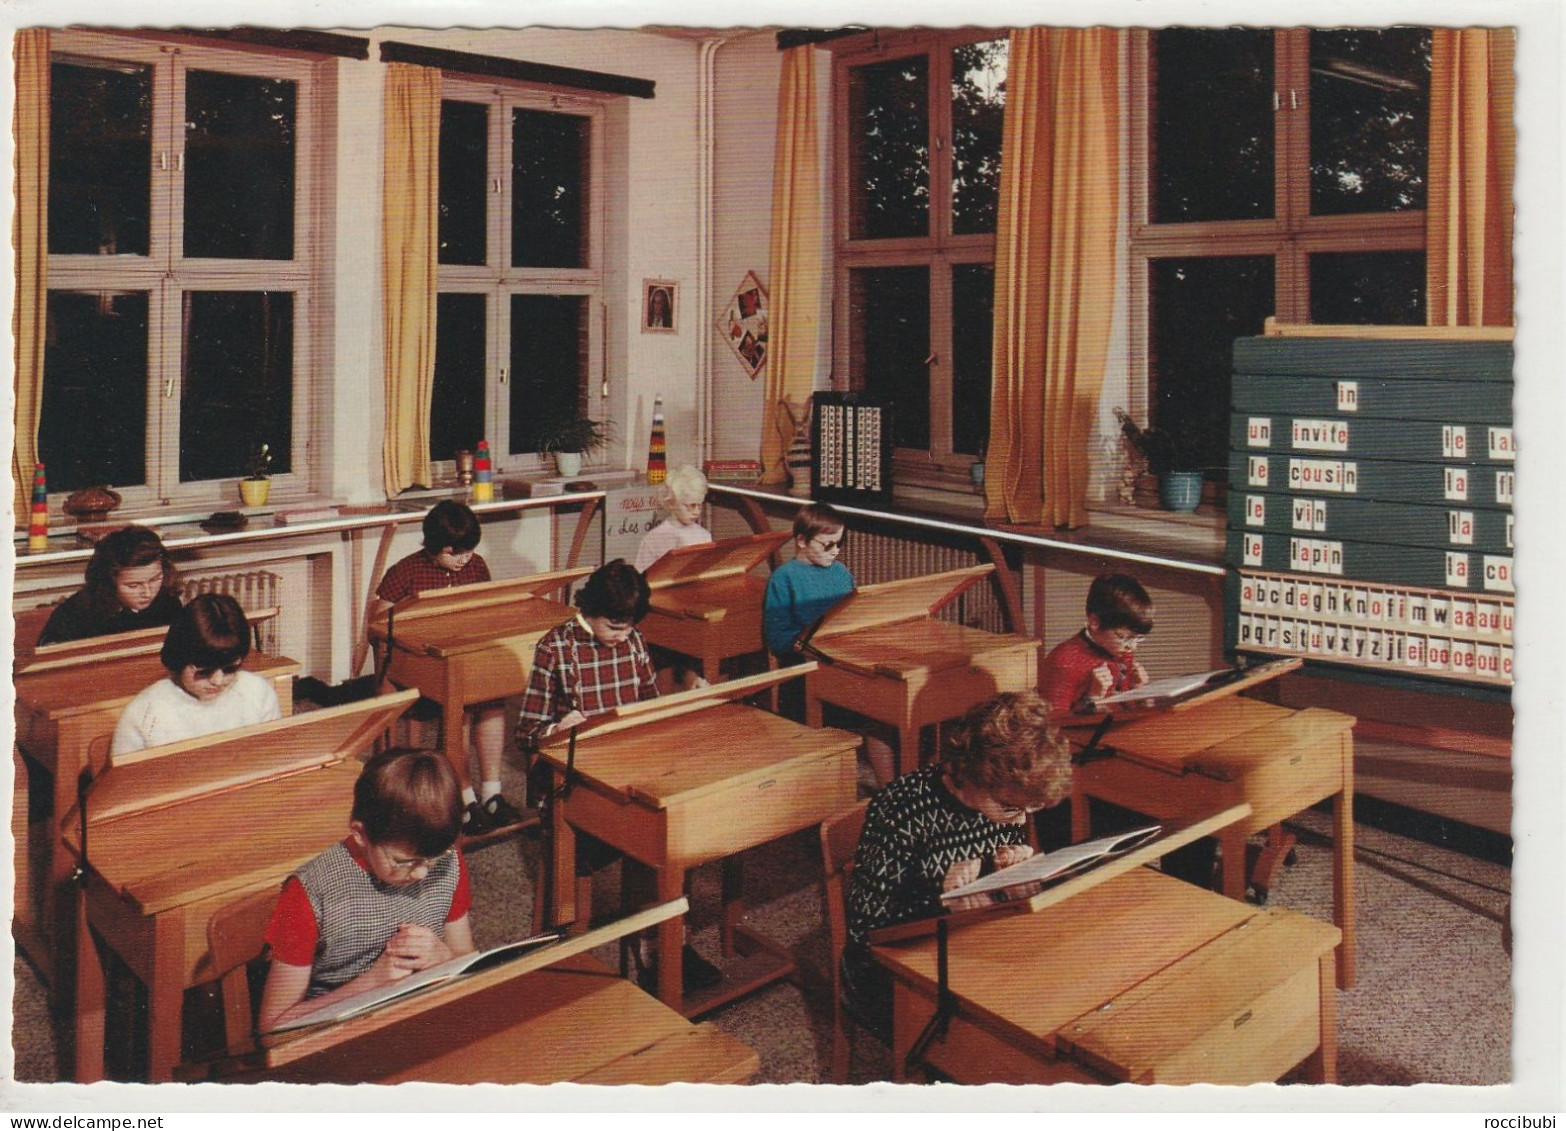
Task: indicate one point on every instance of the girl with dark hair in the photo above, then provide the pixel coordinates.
(130, 585)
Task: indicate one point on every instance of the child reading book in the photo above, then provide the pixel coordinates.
(451, 531)
(206, 690)
(390, 899)
(1101, 659)
(130, 585)
(940, 827)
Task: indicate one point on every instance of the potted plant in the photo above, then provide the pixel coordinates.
(257, 483)
(569, 438)
(1171, 458)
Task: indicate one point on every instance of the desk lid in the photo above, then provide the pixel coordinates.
(911, 649)
(109, 684)
(437, 602)
(710, 560)
(161, 776)
(1223, 739)
(892, 601)
(97, 649)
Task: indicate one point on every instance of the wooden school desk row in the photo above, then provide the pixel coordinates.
(646, 780)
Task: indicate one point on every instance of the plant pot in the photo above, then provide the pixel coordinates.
(255, 491)
(568, 463)
(1180, 490)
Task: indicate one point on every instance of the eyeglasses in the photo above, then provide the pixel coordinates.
(821, 543)
(1011, 812)
(226, 669)
(416, 862)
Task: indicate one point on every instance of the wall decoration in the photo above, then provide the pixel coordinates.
(660, 306)
(743, 324)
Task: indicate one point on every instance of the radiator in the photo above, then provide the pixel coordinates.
(874, 557)
(253, 589)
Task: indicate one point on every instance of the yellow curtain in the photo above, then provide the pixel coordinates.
(794, 332)
(409, 193)
(29, 239)
(1054, 270)
(1473, 162)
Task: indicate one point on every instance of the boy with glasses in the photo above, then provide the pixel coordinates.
(799, 593)
(1101, 659)
(391, 898)
(206, 690)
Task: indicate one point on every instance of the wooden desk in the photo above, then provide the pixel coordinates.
(1142, 979)
(1280, 761)
(700, 779)
(885, 655)
(65, 717)
(576, 1022)
(470, 644)
(176, 833)
(706, 603)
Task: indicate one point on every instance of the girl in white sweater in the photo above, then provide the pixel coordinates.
(206, 691)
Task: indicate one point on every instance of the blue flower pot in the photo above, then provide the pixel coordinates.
(1180, 490)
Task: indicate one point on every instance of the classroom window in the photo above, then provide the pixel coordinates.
(919, 118)
(181, 267)
(519, 314)
(1275, 173)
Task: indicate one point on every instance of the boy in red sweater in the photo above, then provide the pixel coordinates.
(1101, 659)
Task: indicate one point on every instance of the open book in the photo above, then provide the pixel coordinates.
(1177, 688)
(1039, 871)
(344, 1008)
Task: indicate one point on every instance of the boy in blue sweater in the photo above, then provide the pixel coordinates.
(801, 591)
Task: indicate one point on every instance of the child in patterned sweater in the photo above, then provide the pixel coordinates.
(937, 828)
(390, 899)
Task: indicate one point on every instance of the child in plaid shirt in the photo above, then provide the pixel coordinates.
(594, 662)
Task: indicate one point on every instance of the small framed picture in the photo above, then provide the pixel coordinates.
(660, 306)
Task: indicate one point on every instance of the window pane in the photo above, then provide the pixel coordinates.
(973, 323)
(550, 179)
(239, 167)
(94, 425)
(100, 159)
(464, 176)
(978, 105)
(238, 382)
(549, 352)
(890, 312)
(1376, 288)
(1369, 120)
(457, 407)
(1198, 307)
(889, 149)
(1212, 122)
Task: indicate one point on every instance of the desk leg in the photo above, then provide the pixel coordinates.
(1321, 1067)
(1343, 867)
(1232, 842)
(812, 704)
(557, 872)
(91, 997)
(907, 747)
(454, 737)
(671, 939)
(1081, 815)
(165, 997)
(733, 905)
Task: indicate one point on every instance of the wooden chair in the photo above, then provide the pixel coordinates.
(234, 937)
(839, 838)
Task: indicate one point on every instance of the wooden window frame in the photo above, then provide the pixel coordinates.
(938, 252)
(499, 280)
(166, 275)
(1291, 236)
